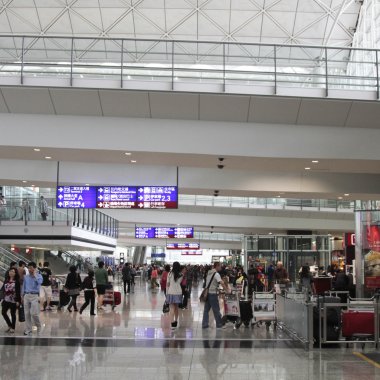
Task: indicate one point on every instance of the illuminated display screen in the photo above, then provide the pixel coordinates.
(164, 232)
(118, 197)
(180, 246)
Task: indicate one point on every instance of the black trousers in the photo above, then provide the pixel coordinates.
(89, 297)
(125, 286)
(44, 215)
(73, 302)
(185, 296)
(12, 307)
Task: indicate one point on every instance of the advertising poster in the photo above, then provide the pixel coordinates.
(372, 256)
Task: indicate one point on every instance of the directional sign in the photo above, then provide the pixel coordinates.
(118, 197)
(164, 232)
(180, 246)
(76, 197)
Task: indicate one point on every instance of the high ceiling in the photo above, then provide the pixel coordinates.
(316, 22)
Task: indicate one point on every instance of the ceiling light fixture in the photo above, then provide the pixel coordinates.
(307, 168)
(270, 233)
(340, 197)
(346, 195)
(315, 162)
(133, 161)
(24, 181)
(128, 153)
(48, 157)
(37, 149)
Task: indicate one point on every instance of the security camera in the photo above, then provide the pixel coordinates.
(220, 166)
(221, 159)
(216, 191)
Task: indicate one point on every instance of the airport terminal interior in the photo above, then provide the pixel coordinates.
(235, 135)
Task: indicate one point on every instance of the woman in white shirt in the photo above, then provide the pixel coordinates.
(174, 292)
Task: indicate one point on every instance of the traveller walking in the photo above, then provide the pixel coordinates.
(164, 278)
(12, 298)
(73, 285)
(213, 280)
(174, 292)
(46, 290)
(101, 278)
(43, 207)
(88, 286)
(3, 207)
(126, 273)
(30, 296)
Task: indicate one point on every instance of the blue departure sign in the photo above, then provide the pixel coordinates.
(180, 246)
(164, 232)
(76, 197)
(118, 197)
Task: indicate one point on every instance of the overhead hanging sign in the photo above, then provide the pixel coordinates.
(118, 197)
(164, 232)
(180, 246)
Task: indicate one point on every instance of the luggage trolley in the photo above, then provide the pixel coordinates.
(264, 308)
(230, 307)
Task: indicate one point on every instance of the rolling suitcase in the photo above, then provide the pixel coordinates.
(356, 323)
(112, 298)
(333, 315)
(246, 313)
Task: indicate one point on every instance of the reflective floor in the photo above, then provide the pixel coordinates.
(136, 341)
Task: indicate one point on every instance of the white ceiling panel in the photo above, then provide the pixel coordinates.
(76, 102)
(224, 108)
(124, 103)
(323, 112)
(174, 106)
(28, 100)
(274, 110)
(280, 21)
(364, 114)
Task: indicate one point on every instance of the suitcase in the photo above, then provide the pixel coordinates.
(112, 298)
(358, 323)
(64, 298)
(246, 313)
(333, 315)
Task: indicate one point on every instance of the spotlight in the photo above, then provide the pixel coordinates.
(220, 166)
(221, 159)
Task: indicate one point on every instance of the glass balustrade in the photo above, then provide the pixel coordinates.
(219, 66)
(28, 210)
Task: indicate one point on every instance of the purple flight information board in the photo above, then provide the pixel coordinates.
(164, 232)
(118, 197)
(180, 246)
(76, 197)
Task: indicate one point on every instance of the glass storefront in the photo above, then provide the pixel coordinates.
(293, 250)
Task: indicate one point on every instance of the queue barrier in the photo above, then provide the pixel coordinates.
(294, 315)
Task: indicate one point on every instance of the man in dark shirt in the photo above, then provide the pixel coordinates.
(45, 290)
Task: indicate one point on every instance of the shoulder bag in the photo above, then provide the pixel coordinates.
(204, 295)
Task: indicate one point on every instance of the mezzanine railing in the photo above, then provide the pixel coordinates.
(246, 68)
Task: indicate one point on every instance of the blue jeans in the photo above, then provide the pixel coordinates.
(212, 303)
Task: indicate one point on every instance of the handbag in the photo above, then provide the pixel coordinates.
(165, 308)
(2, 293)
(204, 295)
(21, 314)
(74, 292)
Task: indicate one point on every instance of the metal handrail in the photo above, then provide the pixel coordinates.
(171, 60)
(65, 37)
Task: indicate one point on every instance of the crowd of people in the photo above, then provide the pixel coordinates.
(28, 288)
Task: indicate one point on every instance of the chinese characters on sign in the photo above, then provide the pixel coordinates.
(164, 232)
(118, 197)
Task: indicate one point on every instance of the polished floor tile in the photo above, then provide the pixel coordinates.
(135, 341)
